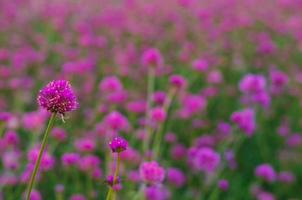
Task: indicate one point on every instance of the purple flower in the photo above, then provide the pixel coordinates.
(158, 114)
(206, 160)
(109, 180)
(110, 84)
(58, 97)
(10, 160)
(152, 57)
(116, 121)
(251, 84)
(286, 177)
(223, 185)
(77, 197)
(177, 81)
(118, 144)
(159, 97)
(89, 163)
(265, 172)
(58, 134)
(265, 196)
(200, 65)
(156, 193)
(70, 159)
(245, 120)
(151, 172)
(176, 177)
(35, 195)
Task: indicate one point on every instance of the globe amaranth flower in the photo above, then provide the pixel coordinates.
(252, 83)
(57, 97)
(223, 184)
(206, 160)
(176, 177)
(158, 114)
(245, 120)
(109, 180)
(265, 172)
(156, 192)
(177, 81)
(151, 172)
(152, 57)
(118, 145)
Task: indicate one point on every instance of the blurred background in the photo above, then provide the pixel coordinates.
(238, 94)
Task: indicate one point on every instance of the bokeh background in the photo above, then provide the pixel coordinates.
(238, 94)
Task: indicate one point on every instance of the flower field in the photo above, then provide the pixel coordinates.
(150, 99)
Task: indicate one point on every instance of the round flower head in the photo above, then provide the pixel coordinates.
(151, 172)
(265, 172)
(118, 144)
(152, 57)
(57, 97)
(109, 180)
(177, 81)
(206, 160)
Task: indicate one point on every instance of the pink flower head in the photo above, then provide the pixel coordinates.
(265, 172)
(178, 151)
(200, 65)
(251, 84)
(159, 97)
(70, 159)
(118, 144)
(116, 121)
(286, 177)
(35, 195)
(223, 185)
(245, 120)
(10, 160)
(85, 144)
(175, 177)
(151, 172)
(47, 160)
(152, 58)
(279, 79)
(58, 97)
(89, 163)
(109, 180)
(138, 106)
(58, 134)
(156, 192)
(192, 104)
(77, 197)
(110, 84)
(177, 81)
(206, 160)
(11, 138)
(158, 114)
(265, 196)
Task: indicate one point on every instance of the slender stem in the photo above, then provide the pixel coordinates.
(108, 197)
(90, 186)
(151, 81)
(158, 135)
(110, 192)
(116, 168)
(2, 127)
(37, 164)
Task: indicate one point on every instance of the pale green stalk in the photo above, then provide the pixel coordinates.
(37, 164)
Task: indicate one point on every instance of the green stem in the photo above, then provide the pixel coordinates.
(109, 194)
(37, 164)
(2, 128)
(151, 81)
(158, 135)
